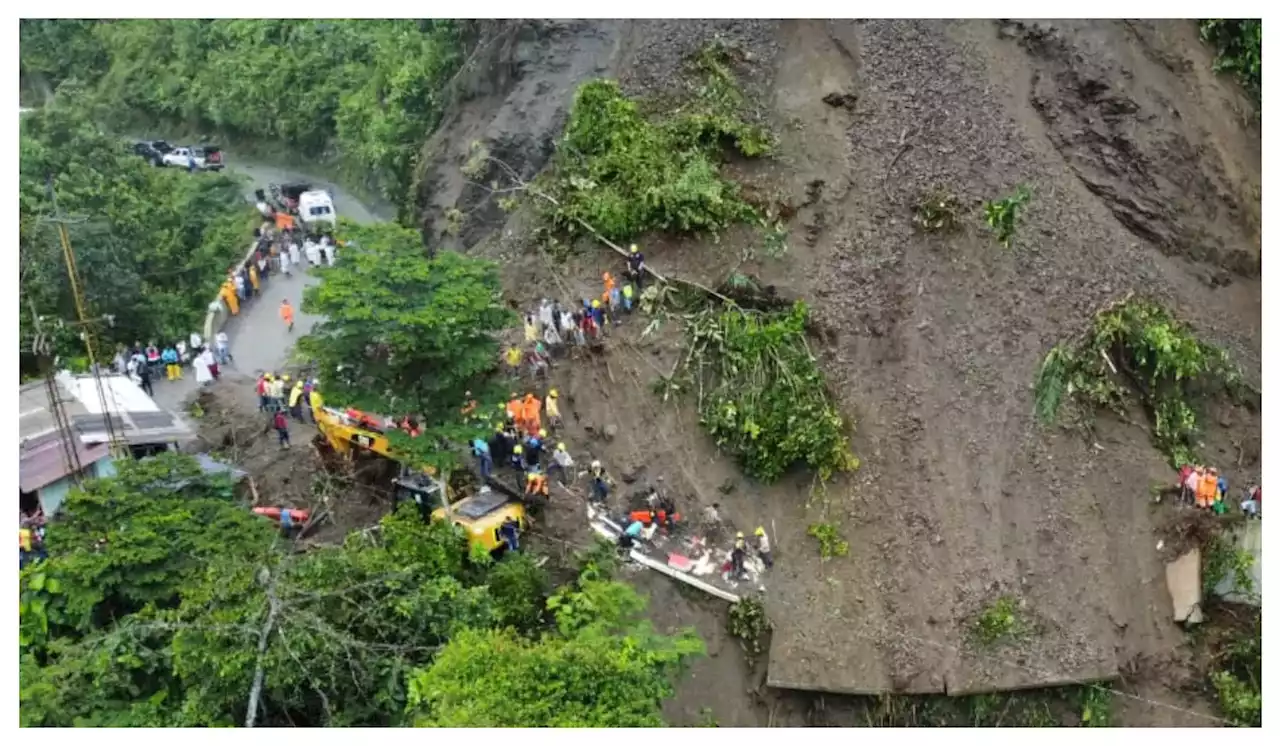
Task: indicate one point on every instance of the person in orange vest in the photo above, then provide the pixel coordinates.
(609, 285)
(286, 313)
(469, 407)
(515, 411)
(536, 485)
(532, 414)
(1207, 490)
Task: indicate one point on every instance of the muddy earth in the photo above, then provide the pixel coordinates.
(1145, 172)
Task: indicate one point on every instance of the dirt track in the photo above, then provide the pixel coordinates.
(1145, 174)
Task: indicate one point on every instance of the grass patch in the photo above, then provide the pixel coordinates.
(937, 211)
(1000, 621)
(748, 623)
(760, 392)
(1084, 705)
(1238, 43)
(1002, 214)
(624, 173)
(1137, 347)
(830, 542)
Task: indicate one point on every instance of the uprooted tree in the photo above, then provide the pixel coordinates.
(166, 602)
(1136, 347)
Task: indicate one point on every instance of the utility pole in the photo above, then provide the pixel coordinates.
(42, 348)
(114, 441)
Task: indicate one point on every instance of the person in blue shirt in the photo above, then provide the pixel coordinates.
(172, 363)
(533, 448)
(481, 450)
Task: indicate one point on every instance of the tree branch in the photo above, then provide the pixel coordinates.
(525, 186)
(255, 692)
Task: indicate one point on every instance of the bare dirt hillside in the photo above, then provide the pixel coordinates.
(1145, 171)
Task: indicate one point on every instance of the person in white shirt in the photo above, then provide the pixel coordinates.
(223, 348)
(561, 461)
(181, 347)
(285, 265)
(196, 341)
(295, 255)
(201, 365)
(312, 251)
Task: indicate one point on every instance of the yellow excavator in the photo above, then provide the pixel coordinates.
(480, 516)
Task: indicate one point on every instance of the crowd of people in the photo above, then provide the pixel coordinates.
(143, 365)
(1205, 488)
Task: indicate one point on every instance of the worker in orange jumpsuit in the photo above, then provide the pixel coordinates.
(1207, 490)
(286, 313)
(532, 414)
(515, 410)
(536, 486)
(609, 285)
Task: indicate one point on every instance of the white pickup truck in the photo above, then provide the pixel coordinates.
(206, 158)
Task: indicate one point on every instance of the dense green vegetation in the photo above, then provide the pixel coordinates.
(152, 245)
(623, 173)
(761, 394)
(1137, 346)
(1238, 43)
(160, 601)
(363, 94)
(404, 333)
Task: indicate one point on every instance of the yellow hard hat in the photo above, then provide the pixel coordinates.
(531, 476)
(595, 303)
(634, 248)
(519, 449)
(760, 531)
(553, 393)
(498, 429)
(284, 378)
(740, 535)
(559, 446)
(542, 433)
(268, 376)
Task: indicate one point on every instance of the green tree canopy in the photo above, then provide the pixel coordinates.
(403, 332)
(369, 90)
(152, 245)
(161, 589)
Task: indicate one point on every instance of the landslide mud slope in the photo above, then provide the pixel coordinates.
(1145, 173)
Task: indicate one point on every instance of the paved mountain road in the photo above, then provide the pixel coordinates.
(258, 337)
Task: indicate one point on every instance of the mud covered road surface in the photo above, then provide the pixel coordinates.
(1145, 170)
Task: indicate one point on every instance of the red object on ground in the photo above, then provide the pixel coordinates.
(298, 516)
(643, 516)
(679, 562)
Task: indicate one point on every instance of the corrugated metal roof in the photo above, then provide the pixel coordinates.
(43, 461)
(135, 416)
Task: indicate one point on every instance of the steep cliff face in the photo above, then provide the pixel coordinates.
(1145, 172)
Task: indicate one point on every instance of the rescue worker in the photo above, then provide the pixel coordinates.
(172, 363)
(597, 318)
(517, 457)
(254, 279)
(600, 482)
(533, 449)
(513, 358)
(483, 456)
(536, 485)
(263, 388)
(286, 313)
(532, 412)
(562, 462)
(317, 401)
(763, 549)
(277, 393)
(738, 556)
(553, 410)
(510, 533)
(469, 407)
(1207, 489)
(499, 446)
(628, 297)
(635, 266)
(530, 329)
(281, 424)
(609, 286)
(295, 401)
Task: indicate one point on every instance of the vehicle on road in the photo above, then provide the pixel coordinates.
(206, 157)
(152, 151)
(315, 210)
